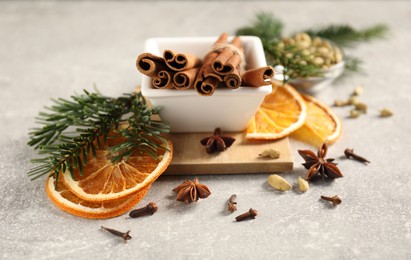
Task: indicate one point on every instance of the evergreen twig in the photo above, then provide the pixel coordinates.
(346, 36)
(75, 128)
(353, 64)
(269, 29)
(266, 26)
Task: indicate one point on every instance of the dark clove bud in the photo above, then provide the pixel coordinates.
(248, 215)
(150, 209)
(335, 199)
(125, 236)
(350, 153)
(232, 204)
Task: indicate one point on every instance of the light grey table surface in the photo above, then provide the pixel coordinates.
(53, 49)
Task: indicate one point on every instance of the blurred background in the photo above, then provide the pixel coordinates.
(57, 48)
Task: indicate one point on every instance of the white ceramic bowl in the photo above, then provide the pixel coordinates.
(314, 84)
(186, 110)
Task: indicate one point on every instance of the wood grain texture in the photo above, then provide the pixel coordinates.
(190, 156)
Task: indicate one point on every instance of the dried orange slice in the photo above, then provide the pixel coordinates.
(69, 202)
(282, 112)
(104, 181)
(321, 125)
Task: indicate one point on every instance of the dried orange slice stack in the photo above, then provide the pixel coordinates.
(64, 199)
(107, 189)
(321, 124)
(282, 112)
(286, 112)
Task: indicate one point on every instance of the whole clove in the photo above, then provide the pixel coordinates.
(350, 153)
(232, 204)
(250, 214)
(149, 209)
(334, 199)
(125, 236)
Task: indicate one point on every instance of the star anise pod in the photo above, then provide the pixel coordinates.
(191, 191)
(317, 164)
(217, 142)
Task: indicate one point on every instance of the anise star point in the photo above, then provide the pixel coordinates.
(318, 164)
(217, 142)
(191, 191)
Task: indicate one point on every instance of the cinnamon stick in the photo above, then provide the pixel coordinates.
(229, 58)
(209, 72)
(206, 72)
(221, 39)
(208, 86)
(258, 77)
(200, 78)
(164, 80)
(180, 61)
(233, 80)
(185, 79)
(150, 64)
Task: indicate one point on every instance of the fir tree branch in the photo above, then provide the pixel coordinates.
(266, 26)
(346, 36)
(74, 129)
(294, 62)
(269, 29)
(353, 64)
(140, 134)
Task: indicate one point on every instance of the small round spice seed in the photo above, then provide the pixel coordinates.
(340, 103)
(278, 183)
(270, 153)
(386, 112)
(362, 107)
(303, 184)
(357, 91)
(314, 51)
(353, 100)
(354, 113)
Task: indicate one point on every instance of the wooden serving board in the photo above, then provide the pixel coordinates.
(190, 156)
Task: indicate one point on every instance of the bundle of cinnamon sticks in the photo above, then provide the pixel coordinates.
(173, 70)
(223, 66)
